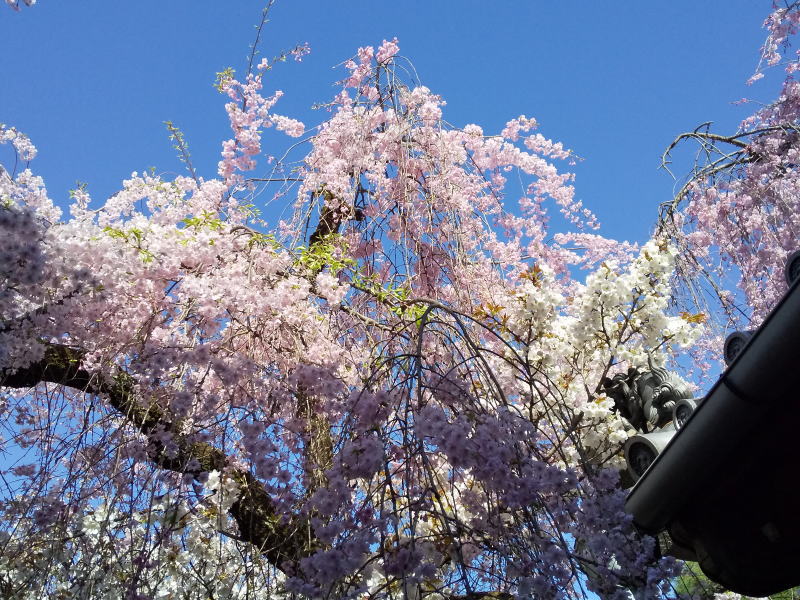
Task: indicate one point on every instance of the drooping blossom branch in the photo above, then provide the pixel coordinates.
(394, 392)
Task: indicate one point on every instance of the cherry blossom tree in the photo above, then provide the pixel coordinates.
(737, 218)
(394, 392)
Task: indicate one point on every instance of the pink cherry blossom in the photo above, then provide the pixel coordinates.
(395, 392)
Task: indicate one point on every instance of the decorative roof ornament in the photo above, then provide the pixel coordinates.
(646, 399)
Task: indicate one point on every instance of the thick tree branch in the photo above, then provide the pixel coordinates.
(329, 221)
(332, 216)
(254, 512)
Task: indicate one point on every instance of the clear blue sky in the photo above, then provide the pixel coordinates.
(91, 82)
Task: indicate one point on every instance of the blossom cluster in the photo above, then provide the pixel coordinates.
(412, 409)
(249, 113)
(14, 4)
(738, 219)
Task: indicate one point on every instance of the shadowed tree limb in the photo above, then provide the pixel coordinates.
(332, 215)
(254, 512)
(282, 543)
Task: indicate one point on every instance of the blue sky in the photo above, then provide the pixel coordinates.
(91, 82)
